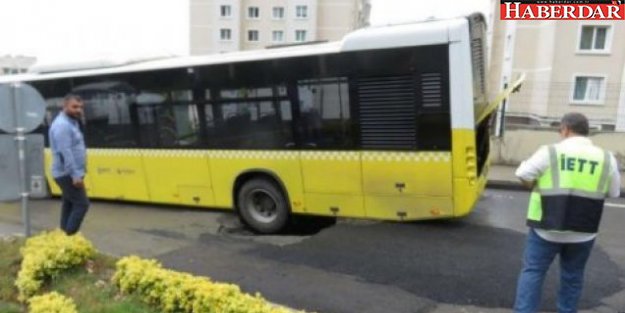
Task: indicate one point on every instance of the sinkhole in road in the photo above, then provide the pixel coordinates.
(447, 261)
(297, 226)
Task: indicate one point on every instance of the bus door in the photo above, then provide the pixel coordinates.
(331, 171)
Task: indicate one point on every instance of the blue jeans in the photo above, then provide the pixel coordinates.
(538, 256)
(75, 205)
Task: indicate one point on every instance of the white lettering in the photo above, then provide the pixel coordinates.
(516, 9)
(568, 12)
(599, 12)
(543, 11)
(581, 12)
(555, 11)
(528, 11)
(613, 12)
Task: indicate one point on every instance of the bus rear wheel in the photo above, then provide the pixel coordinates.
(262, 206)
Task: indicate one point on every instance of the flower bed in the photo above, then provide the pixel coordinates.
(48, 254)
(180, 292)
(51, 303)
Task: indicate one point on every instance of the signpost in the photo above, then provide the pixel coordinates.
(22, 109)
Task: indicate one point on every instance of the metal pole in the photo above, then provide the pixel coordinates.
(20, 138)
(500, 122)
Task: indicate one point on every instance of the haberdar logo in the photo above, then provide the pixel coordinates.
(562, 10)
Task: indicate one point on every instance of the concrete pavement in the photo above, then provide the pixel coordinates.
(502, 177)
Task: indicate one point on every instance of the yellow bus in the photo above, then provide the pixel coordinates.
(390, 123)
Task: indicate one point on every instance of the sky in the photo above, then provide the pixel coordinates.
(67, 31)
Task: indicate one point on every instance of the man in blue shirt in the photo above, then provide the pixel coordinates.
(68, 163)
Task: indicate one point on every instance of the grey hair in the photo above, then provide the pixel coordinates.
(576, 122)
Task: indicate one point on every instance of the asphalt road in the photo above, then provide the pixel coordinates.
(466, 265)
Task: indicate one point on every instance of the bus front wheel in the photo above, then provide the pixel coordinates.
(262, 206)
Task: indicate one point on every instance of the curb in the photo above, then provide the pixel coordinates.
(515, 186)
(506, 184)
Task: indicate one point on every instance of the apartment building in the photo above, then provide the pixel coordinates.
(570, 66)
(15, 64)
(219, 26)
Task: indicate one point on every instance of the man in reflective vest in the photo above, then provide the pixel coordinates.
(570, 182)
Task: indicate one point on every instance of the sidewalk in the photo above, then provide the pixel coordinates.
(502, 177)
(10, 230)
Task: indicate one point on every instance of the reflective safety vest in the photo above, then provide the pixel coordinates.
(569, 196)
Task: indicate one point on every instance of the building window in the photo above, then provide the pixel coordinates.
(300, 35)
(589, 90)
(278, 13)
(253, 12)
(225, 34)
(277, 36)
(594, 38)
(225, 11)
(301, 11)
(252, 35)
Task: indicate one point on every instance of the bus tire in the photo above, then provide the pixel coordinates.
(262, 206)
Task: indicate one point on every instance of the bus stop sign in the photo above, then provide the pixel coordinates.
(30, 112)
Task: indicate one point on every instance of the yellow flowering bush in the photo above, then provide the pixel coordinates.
(180, 292)
(46, 255)
(51, 303)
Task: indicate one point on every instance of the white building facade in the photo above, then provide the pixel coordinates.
(15, 64)
(219, 26)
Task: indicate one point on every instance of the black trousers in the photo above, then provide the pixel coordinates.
(75, 205)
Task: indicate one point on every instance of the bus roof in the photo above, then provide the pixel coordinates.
(428, 32)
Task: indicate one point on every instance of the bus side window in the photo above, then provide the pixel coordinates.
(107, 113)
(325, 120)
(177, 125)
(146, 123)
(255, 118)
